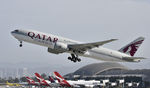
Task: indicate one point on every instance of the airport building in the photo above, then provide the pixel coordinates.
(111, 74)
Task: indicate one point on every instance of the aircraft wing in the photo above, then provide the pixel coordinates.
(86, 46)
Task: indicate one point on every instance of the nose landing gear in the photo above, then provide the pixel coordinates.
(20, 44)
(74, 58)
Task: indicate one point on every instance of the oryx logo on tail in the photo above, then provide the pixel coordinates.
(131, 48)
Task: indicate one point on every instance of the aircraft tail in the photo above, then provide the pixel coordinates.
(30, 81)
(51, 79)
(61, 80)
(41, 80)
(132, 47)
(9, 84)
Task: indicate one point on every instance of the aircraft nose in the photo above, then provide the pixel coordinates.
(14, 32)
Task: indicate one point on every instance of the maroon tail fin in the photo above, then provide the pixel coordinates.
(132, 47)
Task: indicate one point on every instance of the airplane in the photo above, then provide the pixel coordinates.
(44, 82)
(51, 79)
(61, 80)
(41, 80)
(57, 45)
(13, 84)
(79, 83)
(31, 81)
(8, 84)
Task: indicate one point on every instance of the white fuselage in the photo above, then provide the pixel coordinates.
(49, 40)
(89, 83)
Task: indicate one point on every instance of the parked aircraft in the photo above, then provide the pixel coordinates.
(78, 83)
(13, 84)
(57, 45)
(51, 79)
(32, 82)
(61, 80)
(44, 82)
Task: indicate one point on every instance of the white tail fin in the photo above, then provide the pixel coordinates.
(132, 47)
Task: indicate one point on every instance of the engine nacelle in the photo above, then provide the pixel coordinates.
(58, 48)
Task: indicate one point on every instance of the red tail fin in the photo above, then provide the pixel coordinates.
(51, 79)
(31, 81)
(132, 47)
(41, 80)
(61, 80)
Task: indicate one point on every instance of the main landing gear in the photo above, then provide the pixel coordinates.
(74, 58)
(20, 44)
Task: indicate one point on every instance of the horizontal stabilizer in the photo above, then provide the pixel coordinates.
(133, 59)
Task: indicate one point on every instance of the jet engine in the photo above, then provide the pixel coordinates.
(58, 48)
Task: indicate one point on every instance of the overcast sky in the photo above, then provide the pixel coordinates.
(82, 20)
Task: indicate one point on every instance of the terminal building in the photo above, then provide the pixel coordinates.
(111, 74)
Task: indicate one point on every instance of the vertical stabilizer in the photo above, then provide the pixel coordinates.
(51, 79)
(30, 81)
(61, 80)
(132, 47)
(41, 80)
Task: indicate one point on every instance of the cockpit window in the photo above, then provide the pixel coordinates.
(16, 31)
